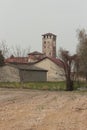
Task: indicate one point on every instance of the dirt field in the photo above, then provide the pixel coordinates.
(42, 110)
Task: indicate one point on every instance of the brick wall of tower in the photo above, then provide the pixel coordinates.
(49, 45)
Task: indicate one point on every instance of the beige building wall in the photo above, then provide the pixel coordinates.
(9, 74)
(55, 73)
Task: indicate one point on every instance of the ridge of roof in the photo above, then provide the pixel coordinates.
(35, 53)
(55, 60)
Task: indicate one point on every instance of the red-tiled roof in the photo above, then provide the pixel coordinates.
(25, 60)
(49, 34)
(17, 60)
(55, 60)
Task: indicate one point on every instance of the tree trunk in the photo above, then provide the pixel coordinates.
(69, 85)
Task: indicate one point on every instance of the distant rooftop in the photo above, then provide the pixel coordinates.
(13, 59)
(49, 34)
(35, 53)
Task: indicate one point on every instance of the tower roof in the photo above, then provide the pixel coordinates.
(49, 34)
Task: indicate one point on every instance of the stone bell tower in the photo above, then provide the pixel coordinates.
(49, 45)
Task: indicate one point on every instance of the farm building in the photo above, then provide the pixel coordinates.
(45, 60)
(22, 73)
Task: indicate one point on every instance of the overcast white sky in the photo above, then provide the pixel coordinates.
(24, 21)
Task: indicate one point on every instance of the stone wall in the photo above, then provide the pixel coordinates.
(9, 74)
(12, 74)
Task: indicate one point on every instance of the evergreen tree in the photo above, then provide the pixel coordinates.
(1, 59)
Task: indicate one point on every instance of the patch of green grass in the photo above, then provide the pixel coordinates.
(52, 86)
(46, 85)
(35, 85)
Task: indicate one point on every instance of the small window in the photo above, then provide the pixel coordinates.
(50, 53)
(44, 46)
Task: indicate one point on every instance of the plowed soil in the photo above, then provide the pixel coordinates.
(22, 109)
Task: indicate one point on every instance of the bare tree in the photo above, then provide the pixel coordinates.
(18, 51)
(68, 62)
(1, 59)
(4, 49)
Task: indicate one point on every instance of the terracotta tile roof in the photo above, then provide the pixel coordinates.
(49, 34)
(24, 60)
(35, 53)
(17, 60)
(55, 60)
